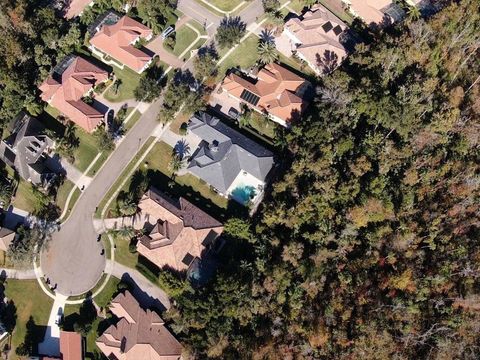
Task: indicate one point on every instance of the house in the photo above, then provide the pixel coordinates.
(275, 90)
(318, 37)
(66, 89)
(71, 346)
(232, 164)
(115, 36)
(74, 8)
(375, 12)
(6, 238)
(178, 231)
(26, 150)
(139, 334)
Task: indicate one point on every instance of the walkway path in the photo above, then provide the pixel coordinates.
(51, 341)
(27, 274)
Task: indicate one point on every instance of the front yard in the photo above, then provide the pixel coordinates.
(129, 82)
(32, 307)
(244, 56)
(184, 37)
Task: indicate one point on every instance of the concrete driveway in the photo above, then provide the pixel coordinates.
(51, 341)
(73, 258)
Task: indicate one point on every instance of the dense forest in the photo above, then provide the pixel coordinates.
(368, 246)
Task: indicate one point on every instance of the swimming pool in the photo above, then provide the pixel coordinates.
(244, 194)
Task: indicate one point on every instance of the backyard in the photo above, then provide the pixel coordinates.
(30, 302)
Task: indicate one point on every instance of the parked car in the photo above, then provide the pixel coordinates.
(233, 113)
(167, 32)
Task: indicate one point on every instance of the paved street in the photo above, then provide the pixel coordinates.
(73, 258)
(205, 17)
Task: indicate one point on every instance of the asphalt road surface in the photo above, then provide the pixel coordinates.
(73, 259)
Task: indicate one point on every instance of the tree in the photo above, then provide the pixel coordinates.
(176, 164)
(270, 6)
(116, 85)
(267, 52)
(104, 139)
(149, 87)
(230, 31)
(87, 315)
(154, 13)
(126, 204)
(205, 64)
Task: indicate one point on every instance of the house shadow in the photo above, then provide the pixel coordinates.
(175, 190)
(12, 220)
(146, 300)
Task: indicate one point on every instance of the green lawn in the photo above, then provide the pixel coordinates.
(105, 296)
(262, 125)
(30, 301)
(301, 68)
(24, 197)
(244, 56)
(122, 253)
(184, 38)
(87, 150)
(63, 192)
(130, 80)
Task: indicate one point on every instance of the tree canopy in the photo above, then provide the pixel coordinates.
(368, 246)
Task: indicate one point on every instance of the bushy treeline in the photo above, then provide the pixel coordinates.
(368, 247)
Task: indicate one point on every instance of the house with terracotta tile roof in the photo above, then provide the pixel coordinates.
(178, 232)
(74, 8)
(375, 12)
(275, 91)
(71, 81)
(139, 334)
(116, 36)
(318, 37)
(71, 346)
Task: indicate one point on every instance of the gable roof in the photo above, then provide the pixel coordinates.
(140, 335)
(116, 39)
(280, 92)
(69, 82)
(224, 153)
(70, 346)
(320, 34)
(24, 149)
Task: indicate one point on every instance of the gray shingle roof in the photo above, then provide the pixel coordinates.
(224, 153)
(24, 149)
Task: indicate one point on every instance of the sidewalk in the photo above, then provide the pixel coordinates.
(28, 274)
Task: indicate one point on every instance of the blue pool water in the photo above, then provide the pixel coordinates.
(243, 194)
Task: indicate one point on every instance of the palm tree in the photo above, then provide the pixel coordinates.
(127, 206)
(267, 53)
(266, 36)
(182, 148)
(126, 232)
(414, 13)
(176, 164)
